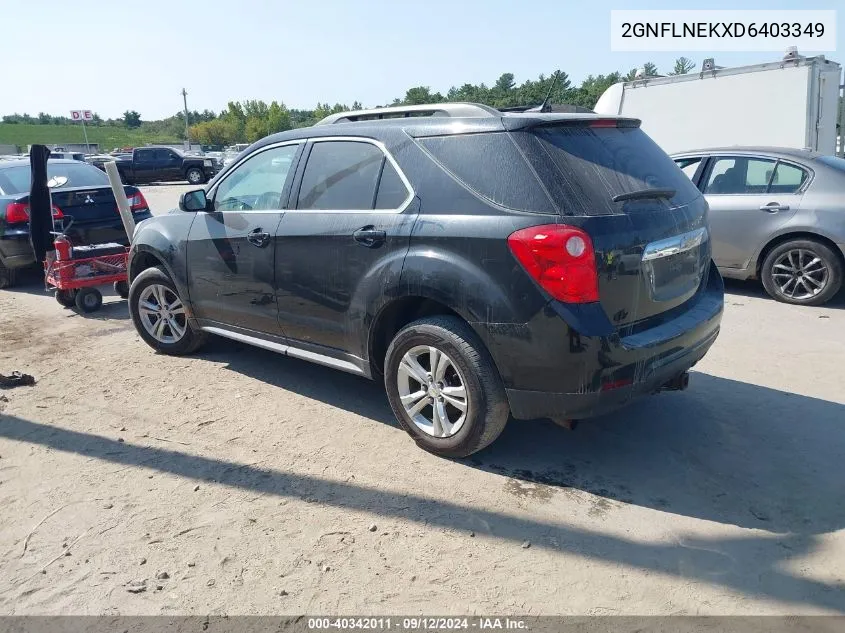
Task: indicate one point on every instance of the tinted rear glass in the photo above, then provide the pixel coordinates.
(491, 166)
(15, 180)
(585, 167)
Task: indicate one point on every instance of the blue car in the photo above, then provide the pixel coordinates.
(82, 201)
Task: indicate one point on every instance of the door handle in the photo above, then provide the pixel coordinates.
(774, 207)
(369, 236)
(258, 237)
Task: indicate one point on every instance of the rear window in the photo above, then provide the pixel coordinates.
(16, 180)
(585, 167)
(833, 161)
(491, 166)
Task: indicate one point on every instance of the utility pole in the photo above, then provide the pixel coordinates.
(185, 101)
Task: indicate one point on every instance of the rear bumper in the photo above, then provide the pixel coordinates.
(550, 370)
(540, 404)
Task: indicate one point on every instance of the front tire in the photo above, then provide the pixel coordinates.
(444, 388)
(195, 176)
(159, 315)
(802, 272)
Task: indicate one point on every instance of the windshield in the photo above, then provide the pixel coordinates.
(16, 180)
(585, 167)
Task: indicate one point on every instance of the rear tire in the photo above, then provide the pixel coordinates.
(122, 289)
(793, 271)
(66, 298)
(195, 176)
(7, 276)
(470, 379)
(88, 300)
(176, 340)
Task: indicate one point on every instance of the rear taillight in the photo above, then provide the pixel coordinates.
(137, 201)
(560, 258)
(19, 212)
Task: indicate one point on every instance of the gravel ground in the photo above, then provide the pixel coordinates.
(242, 482)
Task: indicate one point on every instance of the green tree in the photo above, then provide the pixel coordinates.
(592, 88)
(421, 94)
(650, 69)
(682, 66)
(131, 119)
(44, 118)
(216, 132)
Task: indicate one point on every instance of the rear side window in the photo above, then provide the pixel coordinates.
(391, 190)
(787, 179)
(585, 167)
(492, 167)
(689, 166)
(340, 175)
(144, 155)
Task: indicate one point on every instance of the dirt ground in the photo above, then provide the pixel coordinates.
(242, 482)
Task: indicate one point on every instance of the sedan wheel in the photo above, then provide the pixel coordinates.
(800, 274)
(803, 272)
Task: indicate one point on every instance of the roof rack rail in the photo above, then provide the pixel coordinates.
(467, 110)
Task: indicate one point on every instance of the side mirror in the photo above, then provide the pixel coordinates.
(193, 200)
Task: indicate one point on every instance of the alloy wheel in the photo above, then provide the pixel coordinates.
(800, 274)
(162, 314)
(433, 391)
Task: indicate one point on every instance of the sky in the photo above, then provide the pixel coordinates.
(111, 56)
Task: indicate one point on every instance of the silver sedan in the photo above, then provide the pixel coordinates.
(777, 215)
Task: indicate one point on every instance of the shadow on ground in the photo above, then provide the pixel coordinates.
(30, 281)
(753, 288)
(755, 563)
(723, 451)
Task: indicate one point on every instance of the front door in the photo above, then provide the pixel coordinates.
(750, 198)
(231, 249)
(346, 234)
(170, 164)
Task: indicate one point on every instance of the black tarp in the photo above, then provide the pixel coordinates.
(40, 206)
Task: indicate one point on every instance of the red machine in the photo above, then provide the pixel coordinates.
(75, 271)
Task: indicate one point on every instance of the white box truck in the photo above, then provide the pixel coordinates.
(790, 103)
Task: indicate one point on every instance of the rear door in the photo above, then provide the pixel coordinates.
(750, 198)
(231, 250)
(652, 249)
(347, 232)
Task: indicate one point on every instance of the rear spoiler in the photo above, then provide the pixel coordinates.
(526, 121)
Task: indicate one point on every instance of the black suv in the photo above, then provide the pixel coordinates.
(482, 263)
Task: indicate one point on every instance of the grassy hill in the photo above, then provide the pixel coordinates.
(23, 134)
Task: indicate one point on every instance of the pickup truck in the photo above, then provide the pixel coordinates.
(159, 164)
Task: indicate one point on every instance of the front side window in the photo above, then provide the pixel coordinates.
(740, 176)
(258, 182)
(341, 175)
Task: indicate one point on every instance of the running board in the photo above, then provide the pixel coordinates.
(287, 350)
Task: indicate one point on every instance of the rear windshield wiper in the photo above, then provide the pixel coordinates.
(644, 194)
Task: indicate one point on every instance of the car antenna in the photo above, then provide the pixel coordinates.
(546, 106)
